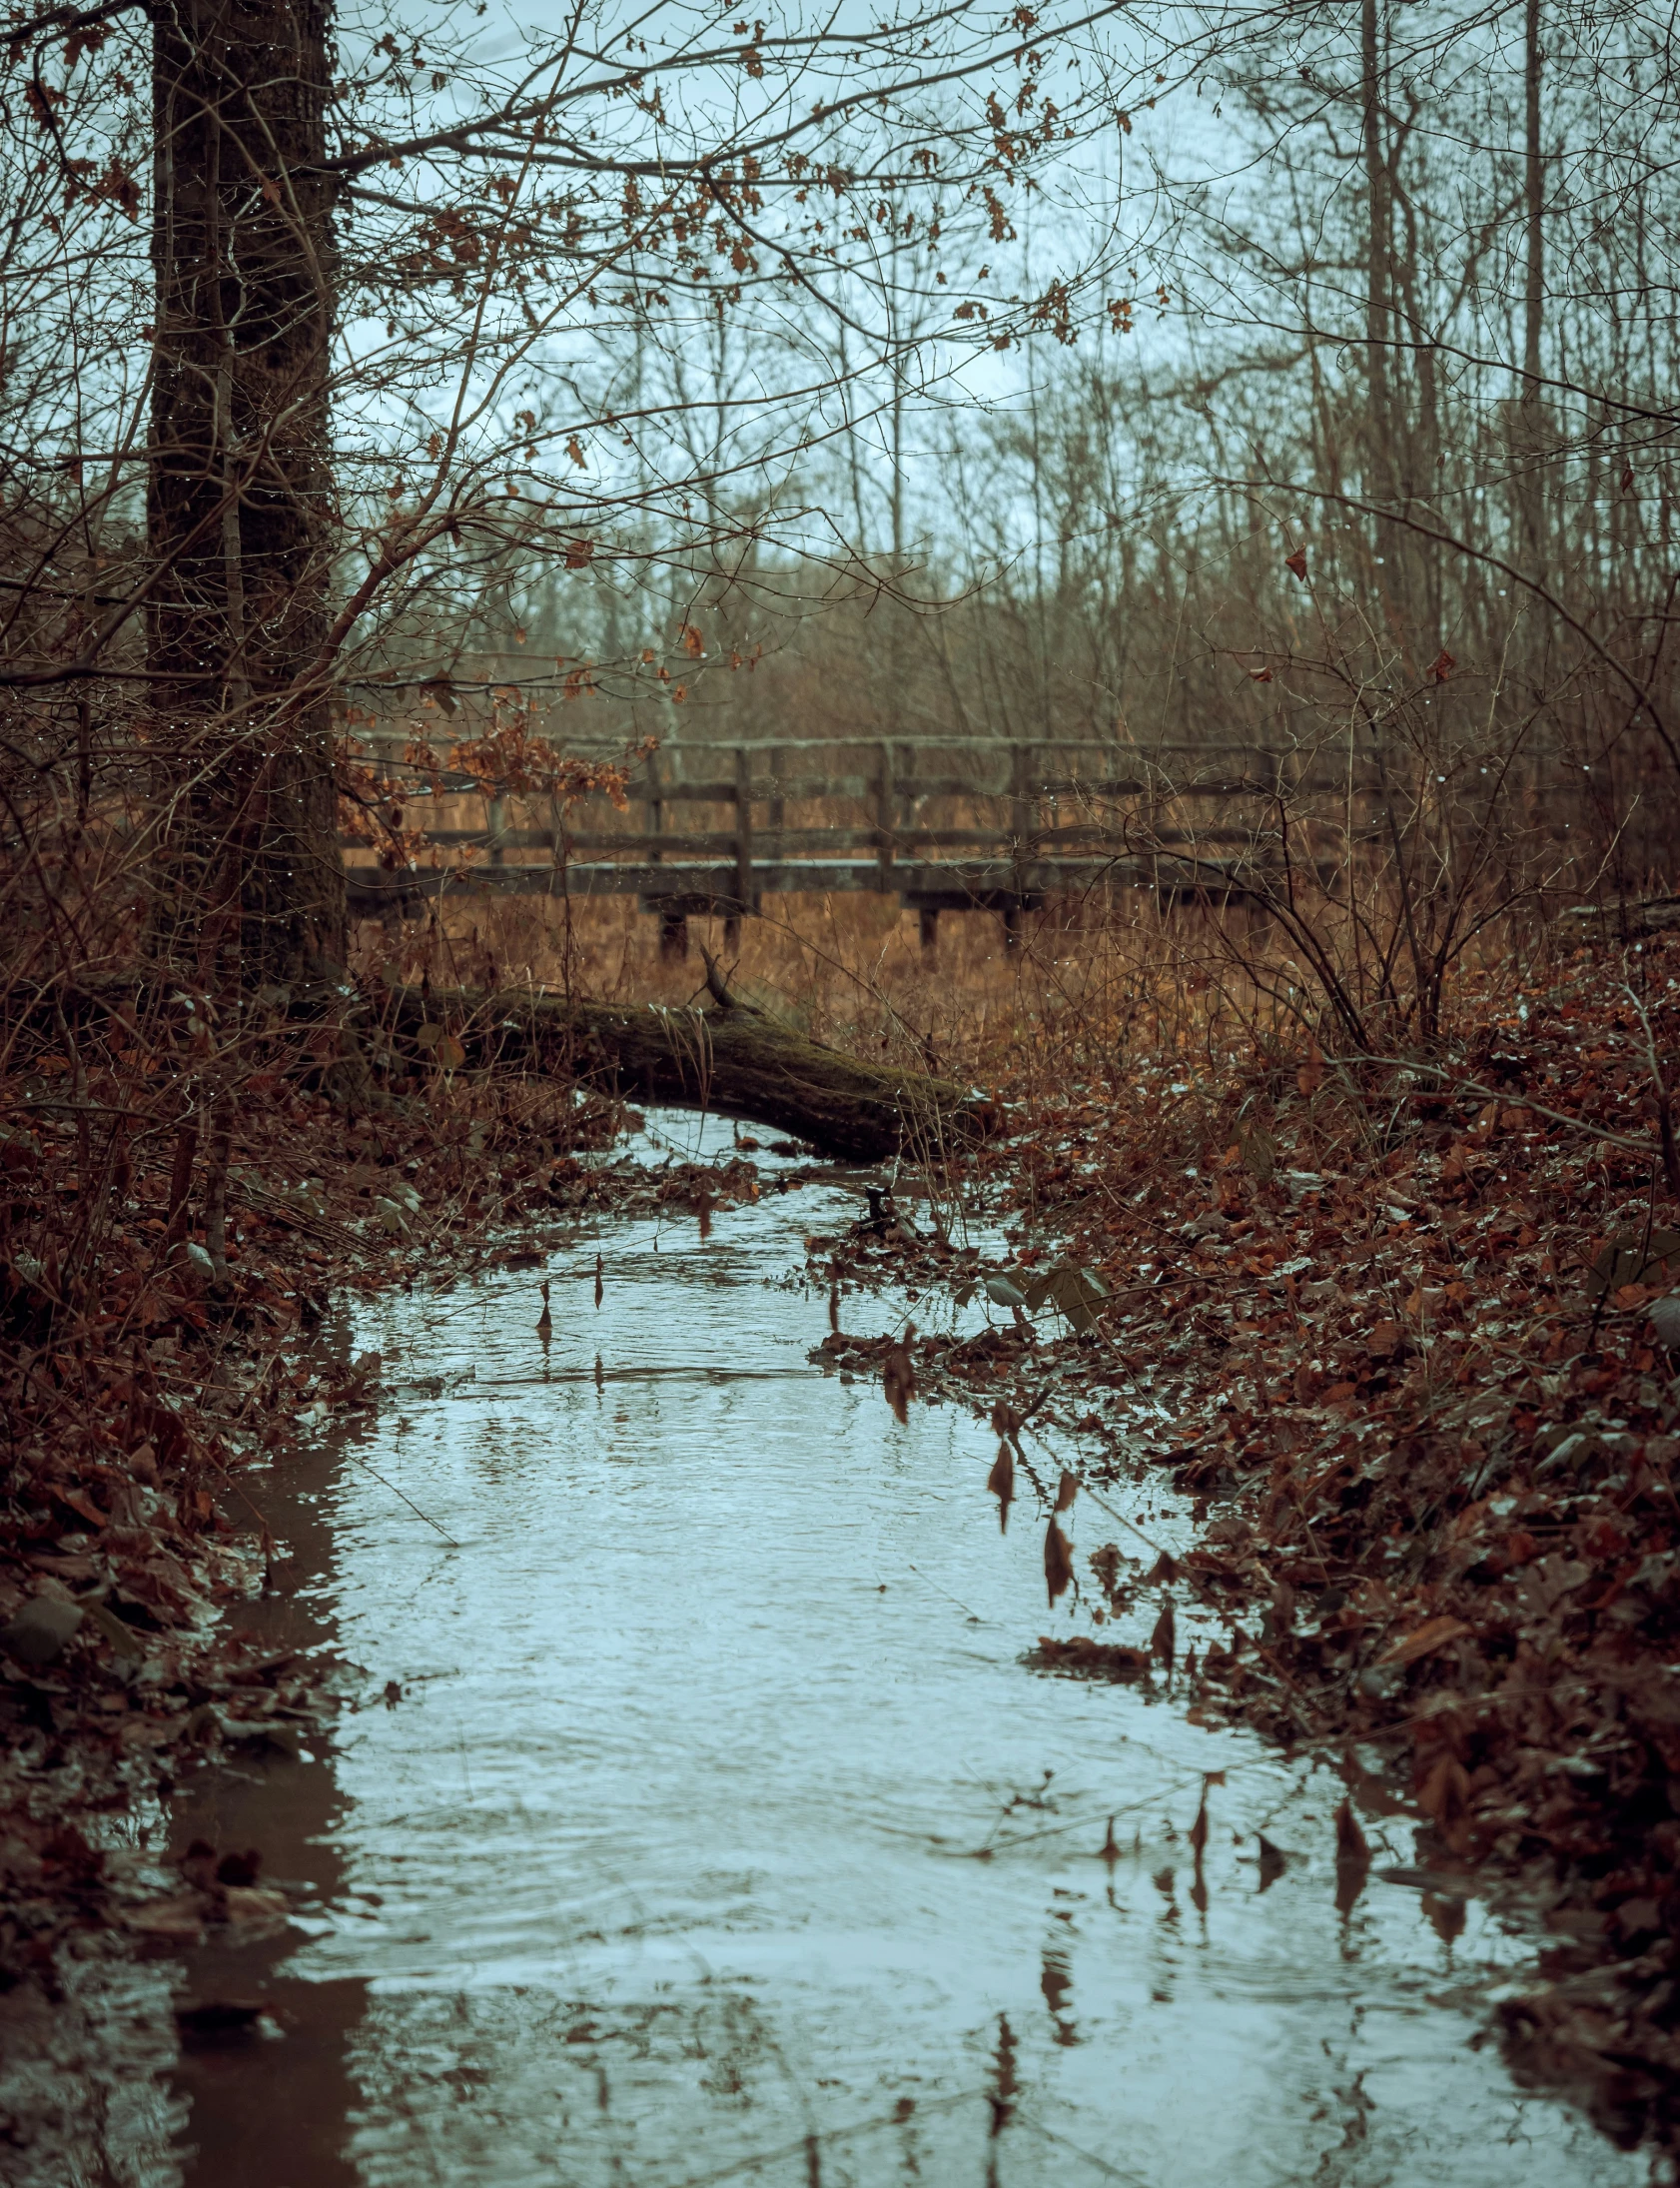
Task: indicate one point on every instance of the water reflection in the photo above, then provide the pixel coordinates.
(717, 1832)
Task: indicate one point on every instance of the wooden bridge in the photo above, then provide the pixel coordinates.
(942, 824)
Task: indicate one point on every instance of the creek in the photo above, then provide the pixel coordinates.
(695, 1818)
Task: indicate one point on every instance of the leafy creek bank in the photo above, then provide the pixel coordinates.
(692, 1814)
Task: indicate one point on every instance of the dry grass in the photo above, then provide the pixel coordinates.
(848, 968)
(1089, 989)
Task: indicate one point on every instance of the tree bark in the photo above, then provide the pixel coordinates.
(238, 498)
(1531, 417)
(1378, 266)
(733, 1060)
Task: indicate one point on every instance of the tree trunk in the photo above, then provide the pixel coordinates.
(733, 1060)
(1531, 414)
(1379, 245)
(239, 484)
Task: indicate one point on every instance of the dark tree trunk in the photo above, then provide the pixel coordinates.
(238, 490)
(1379, 449)
(1531, 408)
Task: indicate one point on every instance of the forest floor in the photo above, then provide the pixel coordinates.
(1400, 1335)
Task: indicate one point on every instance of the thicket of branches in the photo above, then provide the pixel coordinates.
(1296, 378)
(1366, 466)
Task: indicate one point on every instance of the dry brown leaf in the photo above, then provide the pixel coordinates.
(1066, 1490)
(1445, 1793)
(898, 1376)
(1058, 1560)
(1164, 1641)
(1432, 1635)
(1088, 1659)
(1001, 1483)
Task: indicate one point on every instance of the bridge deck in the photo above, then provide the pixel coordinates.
(696, 885)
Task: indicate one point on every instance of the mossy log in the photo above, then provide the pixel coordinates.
(730, 1058)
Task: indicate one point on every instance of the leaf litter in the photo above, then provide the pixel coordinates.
(1404, 1339)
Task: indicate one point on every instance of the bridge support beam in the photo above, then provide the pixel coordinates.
(673, 938)
(928, 924)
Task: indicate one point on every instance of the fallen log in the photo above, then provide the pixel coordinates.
(730, 1058)
(1622, 918)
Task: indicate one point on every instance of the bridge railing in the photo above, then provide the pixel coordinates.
(940, 823)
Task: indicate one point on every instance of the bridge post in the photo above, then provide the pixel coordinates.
(495, 827)
(1022, 827)
(673, 938)
(743, 840)
(655, 806)
(886, 817)
(778, 805)
(1022, 808)
(928, 924)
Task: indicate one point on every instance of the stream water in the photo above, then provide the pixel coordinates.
(713, 1828)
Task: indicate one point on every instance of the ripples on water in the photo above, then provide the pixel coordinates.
(720, 1833)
